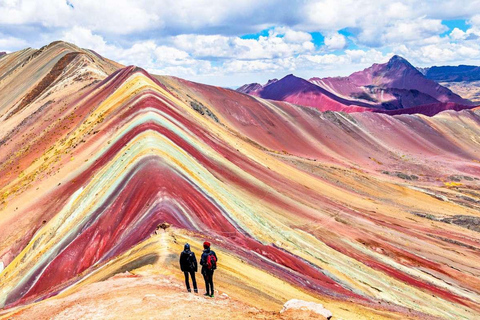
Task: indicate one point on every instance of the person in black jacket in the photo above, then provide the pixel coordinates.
(209, 264)
(188, 264)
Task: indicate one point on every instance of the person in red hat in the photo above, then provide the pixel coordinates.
(209, 264)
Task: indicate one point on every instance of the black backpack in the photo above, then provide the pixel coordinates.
(191, 260)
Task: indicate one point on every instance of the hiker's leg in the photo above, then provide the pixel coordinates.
(207, 285)
(209, 280)
(187, 283)
(192, 274)
(211, 283)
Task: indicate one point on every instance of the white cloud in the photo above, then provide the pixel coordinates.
(398, 10)
(204, 45)
(349, 57)
(8, 43)
(458, 34)
(291, 36)
(386, 22)
(441, 53)
(147, 54)
(240, 66)
(200, 37)
(475, 21)
(412, 30)
(279, 43)
(84, 38)
(335, 42)
(46, 13)
(173, 17)
(132, 16)
(182, 55)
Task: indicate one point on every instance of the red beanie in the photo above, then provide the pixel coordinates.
(206, 244)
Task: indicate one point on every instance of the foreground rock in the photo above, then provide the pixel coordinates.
(301, 305)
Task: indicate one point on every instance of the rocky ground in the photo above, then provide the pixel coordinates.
(130, 296)
(467, 89)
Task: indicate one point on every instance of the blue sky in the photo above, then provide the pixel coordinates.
(229, 43)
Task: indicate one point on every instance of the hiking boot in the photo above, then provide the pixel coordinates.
(207, 294)
(196, 291)
(211, 296)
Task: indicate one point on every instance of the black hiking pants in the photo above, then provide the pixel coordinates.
(187, 283)
(208, 277)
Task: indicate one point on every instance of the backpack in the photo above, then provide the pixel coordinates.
(211, 261)
(191, 261)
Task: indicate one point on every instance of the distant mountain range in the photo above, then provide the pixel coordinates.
(394, 87)
(452, 73)
(463, 80)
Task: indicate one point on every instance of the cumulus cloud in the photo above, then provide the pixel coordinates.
(475, 21)
(280, 42)
(458, 34)
(349, 57)
(84, 38)
(412, 30)
(291, 36)
(335, 41)
(442, 52)
(8, 42)
(147, 54)
(172, 17)
(239, 66)
(200, 37)
(386, 22)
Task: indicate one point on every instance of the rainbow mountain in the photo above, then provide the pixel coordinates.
(374, 216)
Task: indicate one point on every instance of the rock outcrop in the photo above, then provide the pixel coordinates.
(317, 308)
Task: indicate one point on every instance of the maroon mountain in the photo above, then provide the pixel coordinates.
(302, 92)
(394, 85)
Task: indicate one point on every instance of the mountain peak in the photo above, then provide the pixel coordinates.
(397, 57)
(292, 77)
(250, 88)
(62, 44)
(397, 60)
(270, 81)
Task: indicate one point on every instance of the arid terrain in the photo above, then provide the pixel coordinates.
(374, 216)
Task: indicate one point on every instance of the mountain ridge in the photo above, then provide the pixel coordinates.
(452, 73)
(394, 85)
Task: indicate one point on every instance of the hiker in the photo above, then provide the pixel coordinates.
(188, 264)
(209, 264)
